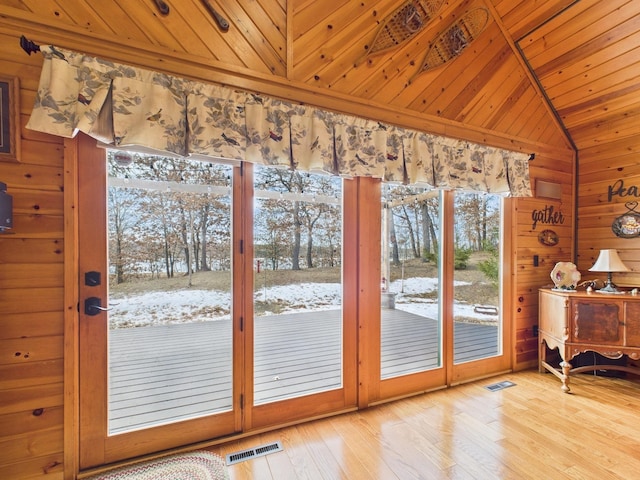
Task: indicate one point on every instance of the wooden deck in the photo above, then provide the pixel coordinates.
(169, 373)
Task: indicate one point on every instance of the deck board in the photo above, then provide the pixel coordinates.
(167, 373)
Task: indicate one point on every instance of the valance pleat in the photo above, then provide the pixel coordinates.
(128, 107)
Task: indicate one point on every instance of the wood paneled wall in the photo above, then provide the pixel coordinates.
(31, 293)
(535, 215)
(609, 186)
(33, 439)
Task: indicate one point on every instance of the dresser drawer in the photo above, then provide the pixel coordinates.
(597, 322)
(632, 324)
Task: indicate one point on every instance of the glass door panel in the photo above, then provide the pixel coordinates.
(297, 302)
(156, 341)
(411, 330)
(477, 249)
(169, 321)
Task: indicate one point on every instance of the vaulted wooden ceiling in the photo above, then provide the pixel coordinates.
(554, 72)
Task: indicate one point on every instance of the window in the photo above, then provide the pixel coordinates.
(170, 328)
(476, 307)
(298, 284)
(411, 339)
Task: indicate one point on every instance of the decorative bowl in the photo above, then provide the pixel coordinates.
(565, 276)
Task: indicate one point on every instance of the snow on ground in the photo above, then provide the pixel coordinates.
(307, 296)
(186, 305)
(178, 306)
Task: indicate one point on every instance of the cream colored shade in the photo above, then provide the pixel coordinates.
(609, 261)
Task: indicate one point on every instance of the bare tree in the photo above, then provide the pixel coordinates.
(121, 219)
(429, 235)
(475, 218)
(404, 214)
(393, 238)
(331, 231)
(303, 210)
(274, 231)
(184, 221)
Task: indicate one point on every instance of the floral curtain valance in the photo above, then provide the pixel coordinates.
(125, 107)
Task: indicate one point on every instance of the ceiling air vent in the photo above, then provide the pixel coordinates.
(255, 452)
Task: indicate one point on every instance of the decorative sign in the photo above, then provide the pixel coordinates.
(627, 225)
(548, 238)
(618, 189)
(546, 216)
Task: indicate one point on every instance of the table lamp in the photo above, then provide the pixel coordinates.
(609, 261)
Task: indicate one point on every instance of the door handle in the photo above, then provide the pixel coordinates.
(93, 306)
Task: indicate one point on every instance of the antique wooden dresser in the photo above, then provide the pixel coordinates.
(578, 322)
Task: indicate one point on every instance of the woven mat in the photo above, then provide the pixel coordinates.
(184, 466)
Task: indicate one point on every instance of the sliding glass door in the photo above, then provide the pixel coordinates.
(298, 284)
(170, 289)
(185, 335)
(477, 275)
(157, 342)
(298, 321)
(480, 240)
(411, 339)
(440, 288)
(218, 299)
(411, 326)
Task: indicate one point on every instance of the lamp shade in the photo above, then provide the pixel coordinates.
(609, 261)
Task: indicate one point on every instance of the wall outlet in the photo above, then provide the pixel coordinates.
(534, 330)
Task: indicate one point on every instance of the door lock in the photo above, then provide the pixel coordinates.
(92, 279)
(93, 306)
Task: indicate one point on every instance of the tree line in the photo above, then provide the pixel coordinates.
(413, 222)
(172, 216)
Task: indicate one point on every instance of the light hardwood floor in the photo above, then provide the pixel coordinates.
(529, 431)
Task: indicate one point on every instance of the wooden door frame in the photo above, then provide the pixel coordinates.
(410, 384)
(95, 446)
(361, 272)
(243, 420)
(71, 443)
(271, 415)
(491, 366)
(448, 374)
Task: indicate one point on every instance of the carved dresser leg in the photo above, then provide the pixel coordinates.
(566, 368)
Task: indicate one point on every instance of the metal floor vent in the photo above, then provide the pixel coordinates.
(260, 451)
(499, 386)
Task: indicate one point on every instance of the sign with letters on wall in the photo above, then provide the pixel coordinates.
(626, 225)
(547, 216)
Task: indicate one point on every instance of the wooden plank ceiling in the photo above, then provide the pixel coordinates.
(554, 72)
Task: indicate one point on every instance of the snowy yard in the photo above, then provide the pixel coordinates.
(189, 305)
